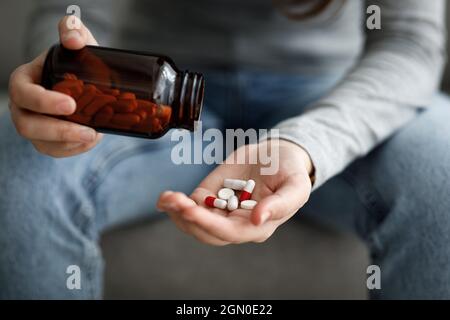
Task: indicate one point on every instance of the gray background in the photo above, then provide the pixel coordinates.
(152, 259)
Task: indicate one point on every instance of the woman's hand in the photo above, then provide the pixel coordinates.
(279, 197)
(31, 104)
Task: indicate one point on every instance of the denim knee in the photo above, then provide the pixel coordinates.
(25, 173)
(408, 175)
(43, 226)
(404, 186)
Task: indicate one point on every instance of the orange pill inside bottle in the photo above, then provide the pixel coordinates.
(125, 92)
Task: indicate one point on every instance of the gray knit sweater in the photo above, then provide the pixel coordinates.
(391, 73)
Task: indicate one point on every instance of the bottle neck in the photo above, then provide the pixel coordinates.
(190, 95)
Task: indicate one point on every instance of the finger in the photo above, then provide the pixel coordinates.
(196, 232)
(178, 201)
(170, 201)
(284, 202)
(63, 146)
(174, 202)
(233, 229)
(73, 33)
(199, 194)
(64, 149)
(25, 93)
(40, 127)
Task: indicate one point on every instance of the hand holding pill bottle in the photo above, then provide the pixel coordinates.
(35, 110)
(125, 92)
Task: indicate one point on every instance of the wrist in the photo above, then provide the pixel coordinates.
(309, 166)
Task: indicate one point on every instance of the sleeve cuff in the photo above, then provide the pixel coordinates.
(308, 143)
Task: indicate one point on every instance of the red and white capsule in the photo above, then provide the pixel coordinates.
(213, 202)
(246, 193)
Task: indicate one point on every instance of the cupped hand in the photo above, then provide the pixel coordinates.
(279, 197)
(30, 103)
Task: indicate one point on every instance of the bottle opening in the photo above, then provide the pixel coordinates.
(191, 99)
(199, 93)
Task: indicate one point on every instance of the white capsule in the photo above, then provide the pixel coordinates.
(248, 204)
(249, 186)
(219, 203)
(234, 184)
(233, 203)
(225, 193)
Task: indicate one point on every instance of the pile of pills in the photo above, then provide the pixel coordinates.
(227, 198)
(110, 108)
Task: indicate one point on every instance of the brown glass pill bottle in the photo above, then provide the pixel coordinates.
(125, 92)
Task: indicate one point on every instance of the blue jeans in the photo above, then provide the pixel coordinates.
(396, 199)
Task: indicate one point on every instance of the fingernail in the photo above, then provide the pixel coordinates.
(66, 107)
(71, 34)
(265, 216)
(167, 193)
(87, 135)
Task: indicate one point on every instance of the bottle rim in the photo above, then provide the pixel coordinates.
(191, 98)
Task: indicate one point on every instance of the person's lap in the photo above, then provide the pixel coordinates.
(53, 210)
(397, 200)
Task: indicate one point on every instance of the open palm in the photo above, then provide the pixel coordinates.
(279, 197)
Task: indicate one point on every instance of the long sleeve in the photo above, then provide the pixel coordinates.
(42, 30)
(395, 77)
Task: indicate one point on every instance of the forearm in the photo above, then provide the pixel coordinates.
(397, 75)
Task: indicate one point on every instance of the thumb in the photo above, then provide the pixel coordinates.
(269, 208)
(73, 34)
(284, 203)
